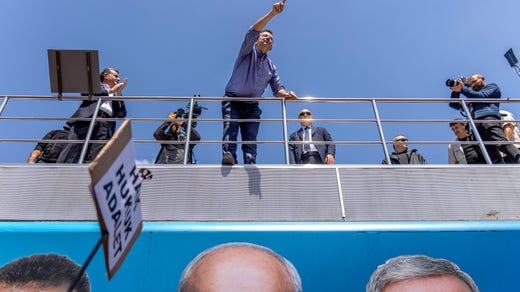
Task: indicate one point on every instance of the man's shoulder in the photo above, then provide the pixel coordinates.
(253, 32)
(321, 128)
(506, 116)
(295, 133)
(251, 35)
(492, 86)
(414, 151)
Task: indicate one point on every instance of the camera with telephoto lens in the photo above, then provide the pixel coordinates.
(452, 82)
(197, 111)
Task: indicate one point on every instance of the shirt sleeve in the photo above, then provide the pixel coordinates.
(455, 105)
(159, 132)
(248, 43)
(331, 148)
(41, 146)
(451, 155)
(489, 91)
(275, 82)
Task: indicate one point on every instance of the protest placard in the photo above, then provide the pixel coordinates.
(116, 186)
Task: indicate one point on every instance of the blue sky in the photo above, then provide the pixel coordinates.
(361, 48)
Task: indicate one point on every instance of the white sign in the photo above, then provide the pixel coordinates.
(116, 184)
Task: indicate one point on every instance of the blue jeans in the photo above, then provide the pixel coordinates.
(248, 130)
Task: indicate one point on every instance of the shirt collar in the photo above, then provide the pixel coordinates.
(260, 54)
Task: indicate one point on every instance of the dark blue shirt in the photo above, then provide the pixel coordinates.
(253, 71)
(479, 110)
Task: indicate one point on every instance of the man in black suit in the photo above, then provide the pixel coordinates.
(103, 130)
(309, 153)
(49, 152)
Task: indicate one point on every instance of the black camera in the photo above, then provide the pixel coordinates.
(180, 113)
(451, 82)
(197, 111)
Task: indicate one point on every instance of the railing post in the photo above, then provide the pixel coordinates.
(188, 132)
(89, 133)
(284, 125)
(340, 193)
(381, 133)
(475, 132)
(4, 102)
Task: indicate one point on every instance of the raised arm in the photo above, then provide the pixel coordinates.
(262, 22)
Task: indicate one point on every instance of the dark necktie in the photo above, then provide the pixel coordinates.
(307, 138)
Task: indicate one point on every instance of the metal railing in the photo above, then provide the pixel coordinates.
(283, 119)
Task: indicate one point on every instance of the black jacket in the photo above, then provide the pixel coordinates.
(173, 153)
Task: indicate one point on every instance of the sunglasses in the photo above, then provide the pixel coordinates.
(402, 140)
(305, 114)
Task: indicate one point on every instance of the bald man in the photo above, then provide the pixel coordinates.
(311, 153)
(402, 155)
(239, 266)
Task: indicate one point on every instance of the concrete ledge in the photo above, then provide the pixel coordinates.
(275, 193)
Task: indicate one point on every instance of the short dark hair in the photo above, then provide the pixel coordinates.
(106, 71)
(458, 121)
(44, 270)
(267, 30)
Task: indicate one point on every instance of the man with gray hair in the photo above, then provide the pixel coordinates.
(420, 273)
(239, 266)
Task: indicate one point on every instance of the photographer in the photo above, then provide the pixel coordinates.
(175, 131)
(476, 87)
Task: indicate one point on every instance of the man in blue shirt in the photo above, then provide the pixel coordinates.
(488, 131)
(252, 72)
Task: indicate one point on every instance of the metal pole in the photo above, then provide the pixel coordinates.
(340, 192)
(87, 262)
(475, 132)
(89, 133)
(517, 70)
(58, 74)
(188, 132)
(284, 126)
(89, 74)
(4, 103)
(380, 129)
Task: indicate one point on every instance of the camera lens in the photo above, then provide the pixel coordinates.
(451, 82)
